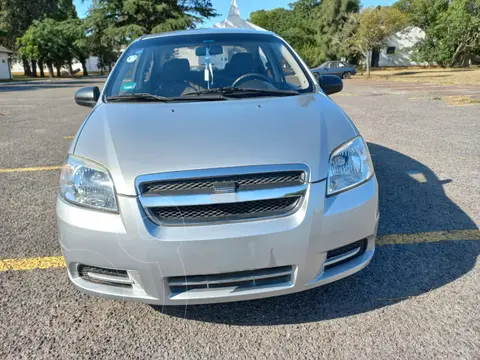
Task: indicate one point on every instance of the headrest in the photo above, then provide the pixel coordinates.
(241, 64)
(175, 70)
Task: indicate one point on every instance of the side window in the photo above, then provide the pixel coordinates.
(294, 78)
(340, 64)
(390, 50)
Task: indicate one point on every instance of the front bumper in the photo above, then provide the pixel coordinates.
(152, 254)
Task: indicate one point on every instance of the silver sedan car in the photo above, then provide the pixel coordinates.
(339, 68)
(208, 173)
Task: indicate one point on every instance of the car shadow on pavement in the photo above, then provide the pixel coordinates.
(412, 201)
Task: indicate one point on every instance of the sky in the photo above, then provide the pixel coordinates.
(245, 6)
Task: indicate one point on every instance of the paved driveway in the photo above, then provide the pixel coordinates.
(418, 299)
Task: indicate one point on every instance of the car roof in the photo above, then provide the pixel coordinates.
(207, 31)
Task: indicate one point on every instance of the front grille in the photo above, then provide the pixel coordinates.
(198, 197)
(225, 212)
(207, 185)
(240, 280)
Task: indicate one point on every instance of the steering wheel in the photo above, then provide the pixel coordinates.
(251, 76)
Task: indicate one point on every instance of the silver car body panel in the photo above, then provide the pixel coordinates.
(133, 139)
(151, 254)
(142, 141)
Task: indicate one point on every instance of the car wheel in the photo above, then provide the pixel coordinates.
(317, 76)
(347, 75)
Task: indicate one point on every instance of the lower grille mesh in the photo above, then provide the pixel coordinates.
(225, 212)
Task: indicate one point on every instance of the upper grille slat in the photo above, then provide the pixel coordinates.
(206, 185)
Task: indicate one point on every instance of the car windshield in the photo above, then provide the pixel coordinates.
(180, 66)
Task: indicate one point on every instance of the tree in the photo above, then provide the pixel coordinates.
(371, 28)
(46, 42)
(452, 29)
(125, 20)
(295, 25)
(332, 16)
(78, 44)
(17, 15)
(422, 13)
(458, 32)
(112, 24)
(277, 20)
(310, 26)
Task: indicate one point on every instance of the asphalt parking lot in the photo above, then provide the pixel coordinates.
(417, 299)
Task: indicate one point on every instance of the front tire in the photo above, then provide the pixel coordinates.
(347, 75)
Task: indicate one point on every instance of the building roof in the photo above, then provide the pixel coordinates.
(5, 50)
(235, 21)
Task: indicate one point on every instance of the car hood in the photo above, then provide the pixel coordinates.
(133, 139)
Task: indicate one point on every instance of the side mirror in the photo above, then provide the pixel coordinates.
(331, 84)
(87, 96)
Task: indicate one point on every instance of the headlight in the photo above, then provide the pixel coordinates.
(86, 183)
(350, 165)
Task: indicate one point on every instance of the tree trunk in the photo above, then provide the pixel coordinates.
(50, 69)
(70, 67)
(58, 66)
(26, 68)
(455, 55)
(84, 68)
(40, 65)
(34, 68)
(366, 55)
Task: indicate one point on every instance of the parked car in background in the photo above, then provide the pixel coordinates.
(339, 68)
(216, 184)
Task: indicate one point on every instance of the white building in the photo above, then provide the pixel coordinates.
(92, 66)
(5, 73)
(398, 49)
(235, 21)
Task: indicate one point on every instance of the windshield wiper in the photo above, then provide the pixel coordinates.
(231, 91)
(138, 97)
(146, 97)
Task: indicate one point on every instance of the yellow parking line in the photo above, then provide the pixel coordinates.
(29, 169)
(32, 263)
(68, 137)
(435, 236)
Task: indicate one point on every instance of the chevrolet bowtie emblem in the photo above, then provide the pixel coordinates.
(225, 187)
